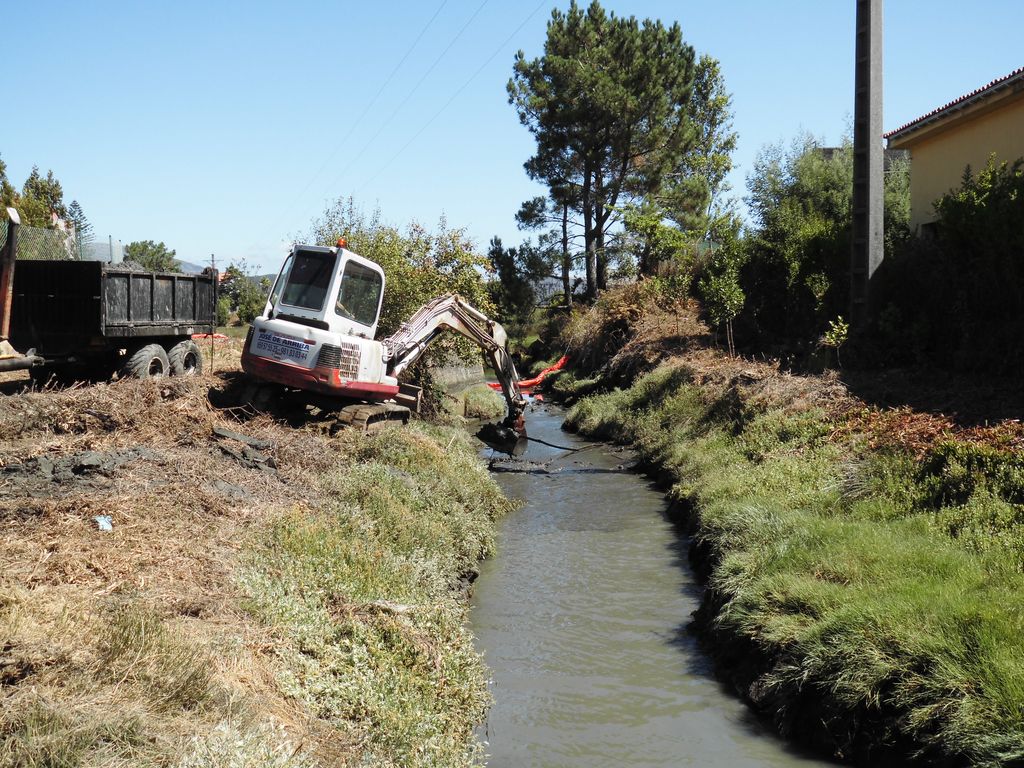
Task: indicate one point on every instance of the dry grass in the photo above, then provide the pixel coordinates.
(122, 646)
(137, 646)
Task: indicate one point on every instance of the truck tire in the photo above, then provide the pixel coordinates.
(185, 359)
(150, 362)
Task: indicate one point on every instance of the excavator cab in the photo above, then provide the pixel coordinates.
(329, 286)
(317, 327)
(317, 332)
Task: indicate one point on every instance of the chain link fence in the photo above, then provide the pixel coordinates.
(62, 245)
(38, 243)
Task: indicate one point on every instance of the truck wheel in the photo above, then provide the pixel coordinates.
(150, 362)
(185, 359)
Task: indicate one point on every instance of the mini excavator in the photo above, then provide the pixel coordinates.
(316, 335)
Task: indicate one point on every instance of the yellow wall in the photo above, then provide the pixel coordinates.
(938, 157)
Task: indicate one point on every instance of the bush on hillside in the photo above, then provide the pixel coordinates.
(956, 298)
(797, 265)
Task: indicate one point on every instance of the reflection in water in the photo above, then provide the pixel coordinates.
(582, 619)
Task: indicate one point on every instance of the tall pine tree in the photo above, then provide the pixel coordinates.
(83, 228)
(608, 104)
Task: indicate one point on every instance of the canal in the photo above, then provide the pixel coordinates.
(582, 617)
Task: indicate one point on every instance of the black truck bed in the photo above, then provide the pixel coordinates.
(65, 307)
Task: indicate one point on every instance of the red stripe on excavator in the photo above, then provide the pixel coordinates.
(327, 381)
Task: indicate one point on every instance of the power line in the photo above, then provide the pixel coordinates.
(454, 96)
(366, 110)
(405, 101)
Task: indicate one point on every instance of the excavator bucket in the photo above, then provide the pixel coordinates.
(508, 436)
(504, 438)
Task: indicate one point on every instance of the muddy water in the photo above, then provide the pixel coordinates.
(582, 617)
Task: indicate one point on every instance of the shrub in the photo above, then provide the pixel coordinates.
(223, 310)
(796, 273)
(957, 298)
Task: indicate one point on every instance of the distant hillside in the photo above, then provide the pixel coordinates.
(189, 267)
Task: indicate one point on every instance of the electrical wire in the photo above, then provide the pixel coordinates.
(405, 101)
(499, 49)
(366, 110)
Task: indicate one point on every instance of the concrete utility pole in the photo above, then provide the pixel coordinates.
(868, 158)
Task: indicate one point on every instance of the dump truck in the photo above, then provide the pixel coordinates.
(91, 320)
(317, 332)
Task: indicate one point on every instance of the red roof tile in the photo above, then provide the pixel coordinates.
(1016, 74)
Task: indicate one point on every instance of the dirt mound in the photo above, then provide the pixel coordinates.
(911, 409)
(134, 496)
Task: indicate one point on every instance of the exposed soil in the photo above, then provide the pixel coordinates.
(141, 493)
(908, 408)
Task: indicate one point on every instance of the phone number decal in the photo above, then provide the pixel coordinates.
(282, 346)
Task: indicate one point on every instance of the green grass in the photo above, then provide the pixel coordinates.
(568, 387)
(881, 596)
(45, 734)
(234, 331)
(362, 595)
(137, 649)
(482, 402)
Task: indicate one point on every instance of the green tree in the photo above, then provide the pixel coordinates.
(797, 273)
(517, 271)
(8, 194)
(41, 197)
(246, 295)
(559, 230)
(719, 286)
(152, 256)
(83, 228)
(659, 247)
(693, 196)
(608, 106)
(896, 204)
(419, 265)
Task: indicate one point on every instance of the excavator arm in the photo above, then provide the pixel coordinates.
(452, 312)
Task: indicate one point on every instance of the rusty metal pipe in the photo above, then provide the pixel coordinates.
(7, 259)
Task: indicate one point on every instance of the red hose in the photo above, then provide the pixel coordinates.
(530, 383)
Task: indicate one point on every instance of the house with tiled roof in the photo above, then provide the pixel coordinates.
(964, 132)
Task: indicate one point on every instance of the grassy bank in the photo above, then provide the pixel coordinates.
(294, 600)
(864, 595)
(477, 401)
(361, 595)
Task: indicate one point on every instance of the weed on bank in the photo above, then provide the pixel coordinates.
(360, 595)
(306, 609)
(868, 601)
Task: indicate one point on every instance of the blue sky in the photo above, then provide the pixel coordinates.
(226, 127)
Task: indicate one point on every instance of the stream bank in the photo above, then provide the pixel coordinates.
(583, 617)
(839, 602)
